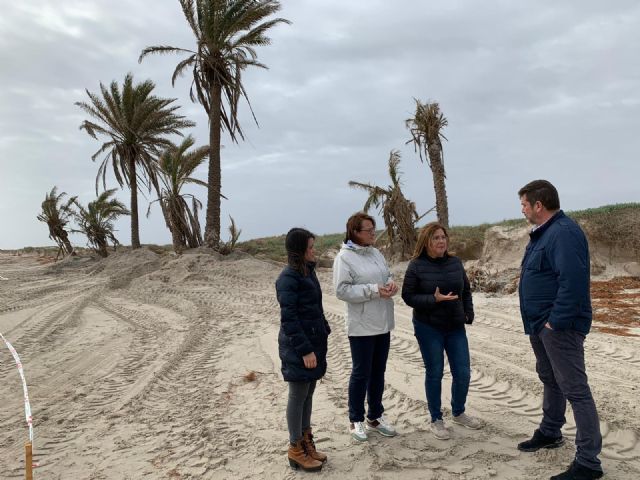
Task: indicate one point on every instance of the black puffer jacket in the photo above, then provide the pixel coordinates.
(303, 327)
(423, 275)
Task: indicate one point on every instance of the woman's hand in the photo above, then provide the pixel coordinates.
(388, 290)
(310, 360)
(444, 298)
(392, 287)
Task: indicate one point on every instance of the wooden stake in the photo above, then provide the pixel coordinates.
(28, 461)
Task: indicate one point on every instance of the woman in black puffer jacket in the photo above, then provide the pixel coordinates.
(302, 344)
(436, 287)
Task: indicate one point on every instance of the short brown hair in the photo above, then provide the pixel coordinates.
(541, 191)
(354, 224)
(425, 236)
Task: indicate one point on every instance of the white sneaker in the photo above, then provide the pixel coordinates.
(468, 421)
(439, 430)
(382, 426)
(358, 432)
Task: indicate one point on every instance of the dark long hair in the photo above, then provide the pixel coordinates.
(296, 244)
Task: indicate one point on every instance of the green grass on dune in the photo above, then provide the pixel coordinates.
(616, 226)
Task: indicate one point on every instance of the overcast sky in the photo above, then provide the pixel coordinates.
(541, 89)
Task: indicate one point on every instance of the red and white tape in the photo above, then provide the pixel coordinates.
(27, 405)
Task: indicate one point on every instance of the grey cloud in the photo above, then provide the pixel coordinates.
(544, 90)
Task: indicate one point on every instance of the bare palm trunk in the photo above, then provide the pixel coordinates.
(102, 247)
(437, 169)
(177, 236)
(212, 229)
(133, 185)
(67, 243)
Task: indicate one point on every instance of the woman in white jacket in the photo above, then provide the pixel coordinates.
(362, 279)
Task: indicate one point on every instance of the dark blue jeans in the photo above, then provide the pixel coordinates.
(369, 358)
(433, 343)
(560, 367)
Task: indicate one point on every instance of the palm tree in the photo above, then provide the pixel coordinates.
(399, 213)
(57, 215)
(175, 169)
(227, 32)
(136, 124)
(96, 221)
(426, 134)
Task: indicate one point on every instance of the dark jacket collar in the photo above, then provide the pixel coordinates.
(442, 259)
(537, 233)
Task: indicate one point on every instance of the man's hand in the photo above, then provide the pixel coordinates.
(310, 360)
(548, 325)
(444, 298)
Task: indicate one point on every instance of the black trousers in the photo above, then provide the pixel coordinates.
(369, 358)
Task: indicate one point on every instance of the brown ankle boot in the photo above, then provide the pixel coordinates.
(310, 446)
(298, 458)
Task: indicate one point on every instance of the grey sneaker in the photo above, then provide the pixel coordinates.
(382, 426)
(439, 430)
(358, 432)
(468, 421)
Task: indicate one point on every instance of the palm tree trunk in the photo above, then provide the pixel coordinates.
(176, 231)
(437, 169)
(212, 229)
(133, 185)
(67, 243)
(102, 247)
(178, 247)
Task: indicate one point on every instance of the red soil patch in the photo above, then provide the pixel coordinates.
(616, 305)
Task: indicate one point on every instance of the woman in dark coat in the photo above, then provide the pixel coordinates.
(436, 287)
(302, 344)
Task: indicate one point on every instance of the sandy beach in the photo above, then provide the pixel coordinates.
(149, 366)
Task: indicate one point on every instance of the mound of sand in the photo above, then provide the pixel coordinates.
(175, 374)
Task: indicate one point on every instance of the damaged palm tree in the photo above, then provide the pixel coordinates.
(426, 134)
(175, 169)
(57, 215)
(399, 213)
(96, 221)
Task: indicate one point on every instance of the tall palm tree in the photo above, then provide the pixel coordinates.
(135, 124)
(57, 215)
(399, 213)
(227, 32)
(96, 221)
(175, 169)
(426, 134)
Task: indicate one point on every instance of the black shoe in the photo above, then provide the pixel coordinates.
(539, 441)
(578, 472)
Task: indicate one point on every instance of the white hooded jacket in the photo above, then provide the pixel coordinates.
(357, 272)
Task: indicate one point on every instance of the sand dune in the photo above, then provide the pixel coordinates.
(137, 368)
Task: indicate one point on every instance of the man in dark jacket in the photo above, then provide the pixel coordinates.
(555, 305)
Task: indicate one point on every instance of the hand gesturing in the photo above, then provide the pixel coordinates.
(444, 298)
